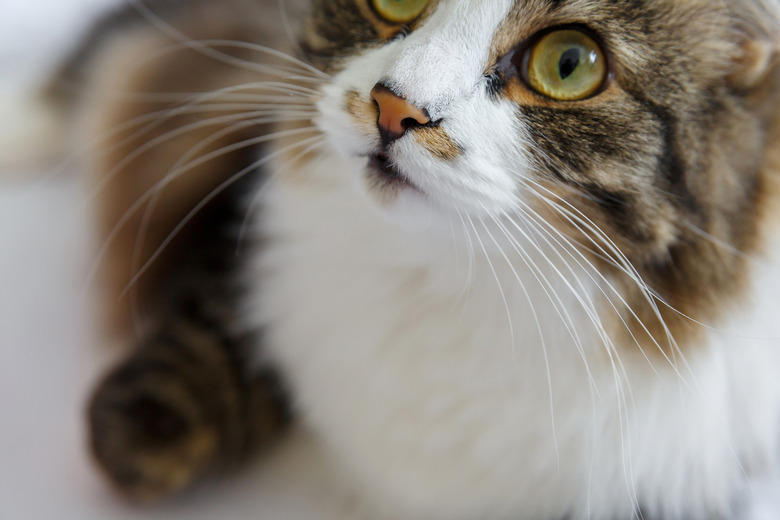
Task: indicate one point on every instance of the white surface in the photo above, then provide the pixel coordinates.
(48, 357)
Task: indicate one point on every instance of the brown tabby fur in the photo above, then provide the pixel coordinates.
(690, 166)
(183, 402)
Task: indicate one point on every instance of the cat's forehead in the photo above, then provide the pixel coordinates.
(465, 27)
(509, 21)
(451, 45)
(455, 43)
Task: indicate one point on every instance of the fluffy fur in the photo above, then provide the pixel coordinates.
(536, 310)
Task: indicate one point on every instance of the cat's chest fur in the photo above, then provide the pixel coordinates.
(398, 348)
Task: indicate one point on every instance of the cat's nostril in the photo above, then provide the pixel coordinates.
(396, 115)
(410, 122)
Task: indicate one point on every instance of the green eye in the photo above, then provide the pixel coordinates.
(567, 65)
(399, 11)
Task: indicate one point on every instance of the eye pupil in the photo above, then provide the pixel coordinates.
(564, 64)
(569, 62)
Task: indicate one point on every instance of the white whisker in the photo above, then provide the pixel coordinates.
(283, 168)
(204, 47)
(219, 189)
(141, 201)
(542, 340)
(498, 283)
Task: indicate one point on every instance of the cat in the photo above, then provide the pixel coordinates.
(506, 259)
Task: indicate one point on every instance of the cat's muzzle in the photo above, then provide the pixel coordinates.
(381, 165)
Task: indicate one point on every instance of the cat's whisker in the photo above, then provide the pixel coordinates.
(615, 360)
(270, 106)
(279, 172)
(180, 163)
(280, 106)
(498, 283)
(600, 239)
(456, 259)
(193, 101)
(307, 67)
(299, 75)
(204, 46)
(605, 245)
(203, 202)
(244, 123)
(470, 273)
(594, 316)
(549, 290)
(244, 93)
(688, 382)
(683, 381)
(606, 340)
(143, 199)
(651, 298)
(610, 286)
(568, 247)
(291, 38)
(304, 79)
(588, 307)
(288, 116)
(542, 340)
(245, 119)
(154, 120)
(183, 161)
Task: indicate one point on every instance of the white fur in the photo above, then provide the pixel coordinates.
(451, 377)
(441, 67)
(423, 396)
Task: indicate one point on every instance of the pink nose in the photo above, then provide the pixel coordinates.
(396, 115)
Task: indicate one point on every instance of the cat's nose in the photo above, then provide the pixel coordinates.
(396, 115)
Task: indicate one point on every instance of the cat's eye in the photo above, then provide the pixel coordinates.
(399, 11)
(565, 65)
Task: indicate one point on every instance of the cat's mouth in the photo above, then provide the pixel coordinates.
(384, 170)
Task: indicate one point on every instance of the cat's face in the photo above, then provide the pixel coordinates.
(472, 153)
(644, 119)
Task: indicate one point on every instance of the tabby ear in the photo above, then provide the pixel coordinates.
(753, 63)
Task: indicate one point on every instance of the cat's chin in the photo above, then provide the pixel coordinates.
(390, 189)
(386, 176)
(398, 199)
(407, 203)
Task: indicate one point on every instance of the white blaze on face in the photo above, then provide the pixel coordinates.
(440, 67)
(442, 61)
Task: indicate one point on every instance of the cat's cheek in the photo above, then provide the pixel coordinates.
(345, 104)
(495, 161)
(341, 132)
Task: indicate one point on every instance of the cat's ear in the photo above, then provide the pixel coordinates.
(755, 60)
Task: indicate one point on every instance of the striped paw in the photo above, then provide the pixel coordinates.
(149, 433)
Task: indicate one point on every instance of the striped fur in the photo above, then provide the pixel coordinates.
(513, 317)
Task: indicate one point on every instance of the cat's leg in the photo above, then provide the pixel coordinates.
(190, 397)
(184, 403)
(187, 399)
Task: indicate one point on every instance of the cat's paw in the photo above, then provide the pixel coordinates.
(147, 435)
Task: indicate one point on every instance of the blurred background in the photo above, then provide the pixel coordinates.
(49, 353)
